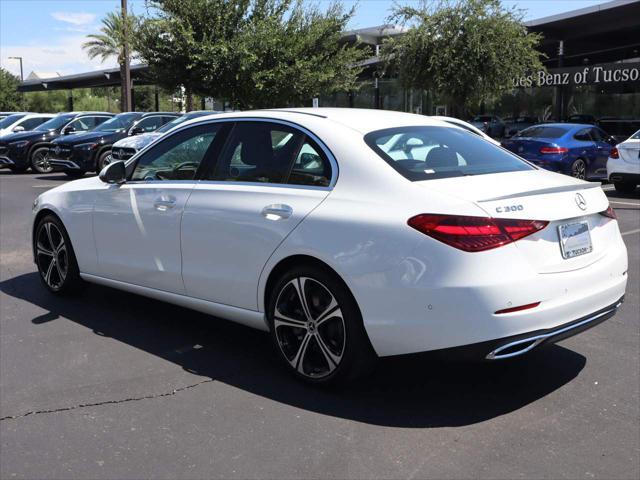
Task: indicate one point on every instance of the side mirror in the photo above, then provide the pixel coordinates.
(136, 131)
(68, 130)
(17, 129)
(114, 173)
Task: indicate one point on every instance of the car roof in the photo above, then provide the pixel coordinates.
(148, 114)
(358, 119)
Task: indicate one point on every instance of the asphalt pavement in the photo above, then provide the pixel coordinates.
(111, 385)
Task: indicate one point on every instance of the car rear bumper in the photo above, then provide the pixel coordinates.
(518, 345)
(620, 171)
(425, 305)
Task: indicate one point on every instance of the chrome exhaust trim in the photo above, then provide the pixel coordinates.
(529, 343)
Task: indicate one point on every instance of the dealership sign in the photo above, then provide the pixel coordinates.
(604, 73)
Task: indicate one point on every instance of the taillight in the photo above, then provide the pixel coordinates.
(609, 212)
(551, 150)
(474, 234)
(614, 153)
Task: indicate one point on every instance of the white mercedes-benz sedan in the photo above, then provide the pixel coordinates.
(347, 234)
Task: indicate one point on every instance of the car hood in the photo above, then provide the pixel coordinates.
(87, 137)
(137, 141)
(30, 135)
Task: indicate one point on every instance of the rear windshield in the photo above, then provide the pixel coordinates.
(636, 136)
(540, 131)
(425, 153)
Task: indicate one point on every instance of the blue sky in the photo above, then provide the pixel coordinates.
(48, 33)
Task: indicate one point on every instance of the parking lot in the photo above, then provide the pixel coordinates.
(111, 385)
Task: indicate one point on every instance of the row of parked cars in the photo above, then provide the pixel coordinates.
(79, 142)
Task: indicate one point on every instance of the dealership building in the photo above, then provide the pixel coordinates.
(592, 62)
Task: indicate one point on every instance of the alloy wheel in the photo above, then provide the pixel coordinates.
(41, 161)
(578, 169)
(105, 161)
(52, 255)
(309, 327)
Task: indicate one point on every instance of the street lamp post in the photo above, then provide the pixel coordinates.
(21, 77)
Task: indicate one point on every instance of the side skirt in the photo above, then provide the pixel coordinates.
(249, 318)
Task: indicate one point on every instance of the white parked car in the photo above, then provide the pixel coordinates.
(623, 165)
(21, 122)
(347, 234)
(467, 126)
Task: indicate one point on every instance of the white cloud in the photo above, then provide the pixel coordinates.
(63, 54)
(74, 18)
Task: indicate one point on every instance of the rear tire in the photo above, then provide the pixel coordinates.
(579, 169)
(40, 160)
(624, 187)
(320, 336)
(55, 258)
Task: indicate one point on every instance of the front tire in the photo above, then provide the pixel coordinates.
(104, 160)
(317, 328)
(40, 160)
(624, 187)
(579, 169)
(55, 258)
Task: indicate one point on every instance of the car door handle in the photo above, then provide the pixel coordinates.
(277, 211)
(164, 203)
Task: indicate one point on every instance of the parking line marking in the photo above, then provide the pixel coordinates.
(607, 188)
(625, 203)
(630, 232)
(42, 186)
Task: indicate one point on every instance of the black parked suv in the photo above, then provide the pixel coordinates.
(91, 151)
(24, 150)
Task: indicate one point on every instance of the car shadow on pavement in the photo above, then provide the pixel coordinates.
(410, 392)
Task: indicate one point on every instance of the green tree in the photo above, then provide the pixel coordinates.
(115, 33)
(9, 96)
(254, 53)
(469, 50)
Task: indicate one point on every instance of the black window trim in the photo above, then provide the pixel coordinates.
(212, 151)
(212, 162)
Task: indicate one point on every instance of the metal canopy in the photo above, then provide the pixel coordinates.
(597, 34)
(109, 77)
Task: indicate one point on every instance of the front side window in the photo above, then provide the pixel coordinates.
(151, 124)
(84, 124)
(177, 157)
(583, 135)
(260, 152)
(426, 153)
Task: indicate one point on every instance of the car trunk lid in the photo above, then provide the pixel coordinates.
(629, 151)
(539, 195)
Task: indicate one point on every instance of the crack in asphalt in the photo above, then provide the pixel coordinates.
(106, 402)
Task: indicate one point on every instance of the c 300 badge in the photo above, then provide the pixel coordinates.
(509, 208)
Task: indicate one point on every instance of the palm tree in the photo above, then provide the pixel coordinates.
(111, 42)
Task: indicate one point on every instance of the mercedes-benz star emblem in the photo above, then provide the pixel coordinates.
(580, 201)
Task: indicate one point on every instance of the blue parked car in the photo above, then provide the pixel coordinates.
(575, 149)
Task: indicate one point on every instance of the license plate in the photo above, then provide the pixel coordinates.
(575, 239)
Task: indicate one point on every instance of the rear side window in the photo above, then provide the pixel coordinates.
(264, 152)
(540, 131)
(425, 153)
(583, 135)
